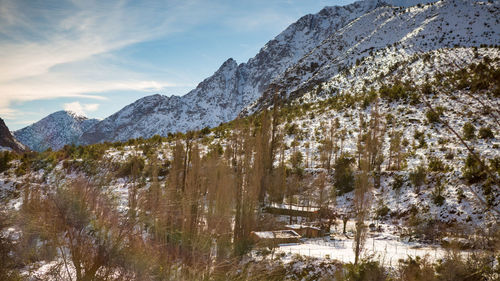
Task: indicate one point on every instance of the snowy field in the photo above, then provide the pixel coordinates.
(386, 248)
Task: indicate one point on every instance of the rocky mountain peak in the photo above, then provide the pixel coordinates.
(229, 63)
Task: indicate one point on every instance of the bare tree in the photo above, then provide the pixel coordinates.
(361, 204)
(85, 227)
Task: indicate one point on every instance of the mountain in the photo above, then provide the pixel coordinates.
(7, 141)
(407, 3)
(54, 131)
(232, 87)
(395, 30)
(314, 49)
(391, 121)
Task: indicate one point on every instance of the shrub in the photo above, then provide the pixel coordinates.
(434, 116)
(296, 159)
(437, 196)
(398, 182)
(156, 139)
(416, 269)
(397, 92)
(365, 270)
(436, 165)
(389, 118)
(205, 131)
(291, 129)
(427, 89)
(449, 155)
(489, 195)
(468, 131)
(368, 98)
(344, 175)
(420, 137)
(8, 270)
(382, 211)
(405, 142)
(495, 164)
(20, 170)
(418, 176)
(476, 266)
(133, 165)
(460, 195)
(472, 171)
(5, 158)
(485, 133)
(215, 150)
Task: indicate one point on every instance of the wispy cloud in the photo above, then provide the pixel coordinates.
(88, 50)
(52, 49)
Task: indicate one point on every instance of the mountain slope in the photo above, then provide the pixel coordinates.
(7, 141)
(222, 96)
(54, 131)
(399, 31)
(314, 49)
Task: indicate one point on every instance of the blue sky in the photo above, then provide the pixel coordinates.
(95, 57)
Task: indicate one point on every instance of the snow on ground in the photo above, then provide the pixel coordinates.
(294, 207)
(49, 271)
(382, 246)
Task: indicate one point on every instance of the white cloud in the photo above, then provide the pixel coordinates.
(75, 107)
(80, 109)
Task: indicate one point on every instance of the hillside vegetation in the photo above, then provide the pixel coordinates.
(418, 152)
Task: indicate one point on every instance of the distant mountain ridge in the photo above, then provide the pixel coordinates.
(55, 131)
(315, 49)
(221, 97)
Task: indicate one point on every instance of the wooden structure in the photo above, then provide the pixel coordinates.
(306, 230)
(270, 238)
(292, 210)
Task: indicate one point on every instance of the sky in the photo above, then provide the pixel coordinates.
(95, 57)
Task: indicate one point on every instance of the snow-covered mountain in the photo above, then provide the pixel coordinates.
(398, 31)
(7, 141)
(222, 96)
(407, 3)
(54, 131)
(313, 49)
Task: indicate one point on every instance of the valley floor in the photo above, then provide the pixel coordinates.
(387, 248)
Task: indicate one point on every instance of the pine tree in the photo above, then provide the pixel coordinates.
(395, 151)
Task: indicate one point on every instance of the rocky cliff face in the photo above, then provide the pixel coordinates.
(54, 131)
(212, 101)
(7, 141)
